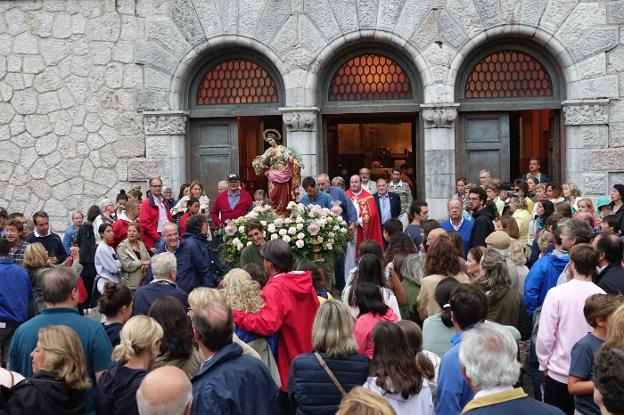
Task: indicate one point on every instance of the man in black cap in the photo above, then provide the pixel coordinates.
(232, 204)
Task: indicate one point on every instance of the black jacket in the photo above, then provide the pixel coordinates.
(43, 394)
(611, 279)
(483, 225)
(311, 391)
(395, 205)
(52, 243)
(116, 391)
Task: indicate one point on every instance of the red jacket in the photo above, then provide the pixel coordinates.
(290, 307)
(148, 218)
(120, 231)
(183, 220)
(222, 205)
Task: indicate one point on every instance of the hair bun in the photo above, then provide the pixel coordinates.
(122, 192)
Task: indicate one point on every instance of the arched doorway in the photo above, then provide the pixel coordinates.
(233, 98)
(370, 113)
(510, 94)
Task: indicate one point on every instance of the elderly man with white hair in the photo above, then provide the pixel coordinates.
(164, 267)
(488, 357)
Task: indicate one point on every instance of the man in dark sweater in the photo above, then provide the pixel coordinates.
(483, 214)
(164, 271)
(488, 357)
(51, 241)
(611, 275)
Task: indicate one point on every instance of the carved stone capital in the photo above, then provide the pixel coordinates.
(299, 118)
(164, 123)
(586, 112)
(439, 115)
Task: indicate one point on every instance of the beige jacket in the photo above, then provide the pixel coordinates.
(425, 301)
(130, 264)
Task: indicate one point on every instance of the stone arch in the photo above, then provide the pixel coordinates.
(191, 63)
(398, 45)
(537, 38)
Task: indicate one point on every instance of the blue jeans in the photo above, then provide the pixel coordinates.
(536, 377)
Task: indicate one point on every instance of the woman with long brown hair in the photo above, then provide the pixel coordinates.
(441, 263)
(395, 374)
(59, 379)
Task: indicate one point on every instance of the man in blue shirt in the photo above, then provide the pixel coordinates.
(60, 293)
(14, 294)
(349, 214)
(457, 223)
(388, 203)
(468, 307)
(313, 196)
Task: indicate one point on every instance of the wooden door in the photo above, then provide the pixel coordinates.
(485, 144)
(214, 149)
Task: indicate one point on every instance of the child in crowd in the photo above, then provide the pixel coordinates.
(615, 330)
(598, 308)
(318, 280)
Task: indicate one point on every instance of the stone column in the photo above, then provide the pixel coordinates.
(165, 135)
(301, 133)
(439, 149)
(587, 158)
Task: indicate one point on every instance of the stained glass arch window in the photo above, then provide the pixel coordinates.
(237, 81)
(370, 77)
(508, 74)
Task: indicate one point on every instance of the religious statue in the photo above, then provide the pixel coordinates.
(282, 166)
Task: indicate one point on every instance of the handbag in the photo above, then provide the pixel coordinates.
(330, 373)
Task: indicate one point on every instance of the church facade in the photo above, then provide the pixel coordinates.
(98, 95)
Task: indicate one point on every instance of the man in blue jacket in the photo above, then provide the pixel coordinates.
(15, 292)
(228, 381)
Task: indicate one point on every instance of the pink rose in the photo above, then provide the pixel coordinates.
(313, 229)
(230, 230)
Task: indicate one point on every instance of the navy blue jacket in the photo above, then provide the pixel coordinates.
(395, 205)
(147, 294)
(311, 391)
(235, 384)
(15, 291)
(199, 267)
(520, 406)
(116, 391)
(611, 279)
(52, 243)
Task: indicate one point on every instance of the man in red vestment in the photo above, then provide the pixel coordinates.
(369, 226)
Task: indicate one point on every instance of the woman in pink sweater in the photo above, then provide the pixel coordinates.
(562, 323)
(372, 310)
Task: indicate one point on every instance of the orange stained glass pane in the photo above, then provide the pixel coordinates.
(522, 76)
(370, 77)
(229, 82)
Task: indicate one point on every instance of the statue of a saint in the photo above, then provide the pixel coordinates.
(282, 166)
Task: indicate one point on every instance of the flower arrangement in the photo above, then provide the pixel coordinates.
(315, 233)
(376, 164)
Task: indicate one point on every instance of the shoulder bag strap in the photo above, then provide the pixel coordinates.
(330, 373)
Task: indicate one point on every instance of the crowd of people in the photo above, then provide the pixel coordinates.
(512, 304)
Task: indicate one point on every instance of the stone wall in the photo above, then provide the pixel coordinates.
(77, 76)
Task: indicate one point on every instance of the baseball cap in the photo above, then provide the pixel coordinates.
(233, 177)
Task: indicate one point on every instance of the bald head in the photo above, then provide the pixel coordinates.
(165, 391)
(213, 327)
(434, 234)
(586, 217)
(356, 183)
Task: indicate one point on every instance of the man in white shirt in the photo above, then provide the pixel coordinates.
(367, 183)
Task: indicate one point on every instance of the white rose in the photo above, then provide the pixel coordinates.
(336, 227)
(331, 234)
(292, 230)
(300, 235)
(321, 223)
(236, 241)
(248, 243)
(271, 228)
(274, 237)
(241, 229)
(299, 226)
(286, 238)
(299, 219)
(330, 247)
(263, 222)
(343, 230)
(240, 247)
(300, 244)
(283, 232)
(288, 221)
(320, 238)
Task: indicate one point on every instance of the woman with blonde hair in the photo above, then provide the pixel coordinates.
(572, 195)
(361, 401)
(37, 264)
(60, 379)
(242, 293)
(615, 330)
(136, 353)
(310, 388)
